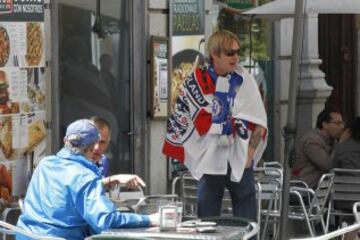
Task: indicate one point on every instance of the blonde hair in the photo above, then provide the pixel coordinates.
(219, 41)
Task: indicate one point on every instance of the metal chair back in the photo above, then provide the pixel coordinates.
(317, 208)
(188, 195)
(356, 211)
(345, 191)
(150, 204)
(270, 180)
(322, 193)
(10, 216)
(10, 229)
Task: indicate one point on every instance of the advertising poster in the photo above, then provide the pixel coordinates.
(187, 41)
(187, 49)
(159, 73)
(22, 93)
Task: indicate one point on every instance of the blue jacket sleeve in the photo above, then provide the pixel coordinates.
(100, 213)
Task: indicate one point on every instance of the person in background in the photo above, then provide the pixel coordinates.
(110, 81)
(218, 129)
(100, 148)
(347, 153)
(315, 147)
(66, 197)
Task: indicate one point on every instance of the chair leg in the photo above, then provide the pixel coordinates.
(265, 228)
(267, 219)
(328, 216)
(323, 225)
(310, 226)
(307, 219)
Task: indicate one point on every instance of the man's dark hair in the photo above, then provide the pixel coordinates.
(355, 129)
(325, 116)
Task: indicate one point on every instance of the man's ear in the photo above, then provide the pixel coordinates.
(324, 125)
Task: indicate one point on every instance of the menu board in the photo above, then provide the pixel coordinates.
(22, 91)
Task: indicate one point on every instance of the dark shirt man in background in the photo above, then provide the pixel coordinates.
(347, 153)
(314, 148)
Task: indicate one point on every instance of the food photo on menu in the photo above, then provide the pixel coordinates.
(5, 104)
(21, 44)
(34, 44)
(4, 46)
(6, 143)
(5, 182)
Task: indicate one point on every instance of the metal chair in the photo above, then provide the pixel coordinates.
(10, 229)
(317, 208)
(10, 215)
(270, 180)
(345, 192)
(150, 204)
(273, 164)
(356, 211)
(21, 205)
(334, 234)
(188, 195)
(125, 198)
(187, 192)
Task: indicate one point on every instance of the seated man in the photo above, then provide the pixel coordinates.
(100, 159)
(66, 196)
(347, 153)
(314, 148)
(100, 148)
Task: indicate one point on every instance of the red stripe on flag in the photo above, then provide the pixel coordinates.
(176, 152)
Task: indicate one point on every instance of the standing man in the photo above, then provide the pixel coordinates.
(66, 197)
(218, 129)
(314, 148)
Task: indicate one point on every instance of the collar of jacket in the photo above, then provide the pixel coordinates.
(68, 155)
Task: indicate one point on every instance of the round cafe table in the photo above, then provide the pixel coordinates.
(227, 228)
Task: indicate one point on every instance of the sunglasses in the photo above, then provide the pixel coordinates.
(231, 52)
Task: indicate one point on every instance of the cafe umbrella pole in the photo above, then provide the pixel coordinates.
(290, 129)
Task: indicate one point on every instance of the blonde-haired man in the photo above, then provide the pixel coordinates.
(218, 129)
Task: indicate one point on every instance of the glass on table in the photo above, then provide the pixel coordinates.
(168, 217)
(179, 212)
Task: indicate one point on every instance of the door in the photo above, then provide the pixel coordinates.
(95, 71)
(337, 49)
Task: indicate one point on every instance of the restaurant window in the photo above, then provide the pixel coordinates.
(94, 70)
(255, 49)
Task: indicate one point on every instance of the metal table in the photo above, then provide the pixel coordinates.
(222, 232)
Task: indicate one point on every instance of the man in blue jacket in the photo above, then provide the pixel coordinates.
(66, 196)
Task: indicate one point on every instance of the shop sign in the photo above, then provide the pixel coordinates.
(188, 17)
(242, 4)
(21, 10)
(6, 6)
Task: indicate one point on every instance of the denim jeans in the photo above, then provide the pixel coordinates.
(211, 190)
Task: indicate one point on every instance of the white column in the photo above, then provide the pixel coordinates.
(313, 90)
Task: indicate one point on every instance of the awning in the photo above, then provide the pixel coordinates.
(286, 8)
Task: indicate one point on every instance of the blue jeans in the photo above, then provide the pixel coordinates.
(243, 197)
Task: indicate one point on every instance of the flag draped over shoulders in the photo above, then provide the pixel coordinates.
(213, 120)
